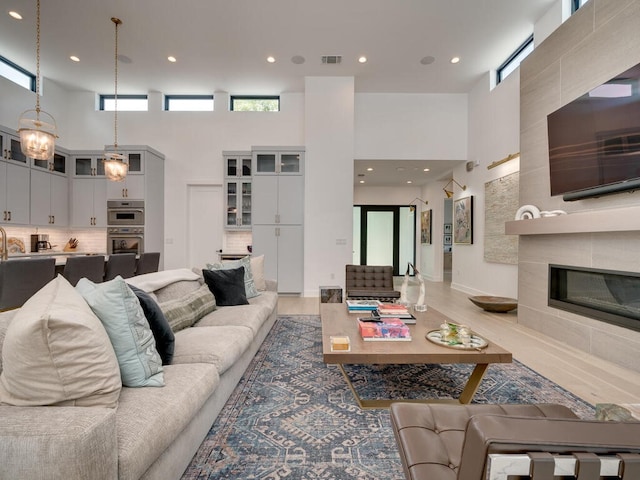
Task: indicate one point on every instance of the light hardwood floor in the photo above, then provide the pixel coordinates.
(590, 378)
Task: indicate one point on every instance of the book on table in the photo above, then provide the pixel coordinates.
(392, 308)
(407, 318)
(389, 329)
(362, 305)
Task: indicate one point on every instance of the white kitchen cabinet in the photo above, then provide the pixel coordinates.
(238, 188)
(14, 193)
(282, 247)
(49, 198)
(89, 202)
(10, 147)
(87, 164)
(133, 185)
(278, 214)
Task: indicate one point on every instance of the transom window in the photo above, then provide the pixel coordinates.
(514, 59)
(17, 74)
(188, 103)
(576, 4)
(131, 103)
(255, 103)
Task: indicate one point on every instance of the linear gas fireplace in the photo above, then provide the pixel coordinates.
(607, 295)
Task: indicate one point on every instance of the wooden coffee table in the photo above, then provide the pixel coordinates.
(337, 321)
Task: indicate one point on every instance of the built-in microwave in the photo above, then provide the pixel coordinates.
(125, 212)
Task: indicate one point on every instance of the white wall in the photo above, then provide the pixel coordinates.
(494, 132)
(393, 126)
(328, 223)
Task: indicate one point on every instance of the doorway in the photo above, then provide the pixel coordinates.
(205, 208)
(384, 235)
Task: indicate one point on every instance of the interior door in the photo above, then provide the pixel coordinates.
(205, 224)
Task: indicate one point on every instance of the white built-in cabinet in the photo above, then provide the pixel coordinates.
(238, 188)
(132, 187)
(88, 190)
(14, 181)
(50, 191)
(278, 214)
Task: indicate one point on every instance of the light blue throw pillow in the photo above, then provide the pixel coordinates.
(120, 312)
(249, 285)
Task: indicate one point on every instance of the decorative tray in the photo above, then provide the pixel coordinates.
(477, 343)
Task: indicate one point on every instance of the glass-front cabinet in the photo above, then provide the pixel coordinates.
(88, 165)
(237, 184)
(238, 204)
(11, 148)
(57, 164)
(278, 163)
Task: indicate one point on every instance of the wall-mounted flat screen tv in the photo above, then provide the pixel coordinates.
(594, 141)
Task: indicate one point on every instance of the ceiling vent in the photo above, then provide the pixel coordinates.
(332, 59)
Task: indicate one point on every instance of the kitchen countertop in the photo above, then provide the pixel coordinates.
(61, 257)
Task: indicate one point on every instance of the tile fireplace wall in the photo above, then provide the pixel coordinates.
(598, 42)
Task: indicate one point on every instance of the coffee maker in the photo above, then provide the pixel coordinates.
(40, 242)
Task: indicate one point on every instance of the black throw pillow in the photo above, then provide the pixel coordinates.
(165, 340)
(227, 286)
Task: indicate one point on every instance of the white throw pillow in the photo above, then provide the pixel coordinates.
(120, 312)
(56, 352)
(257, 267)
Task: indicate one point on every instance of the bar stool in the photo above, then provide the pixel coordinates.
(123, 264)
(148, 262)
(20, 279)
(87, 266)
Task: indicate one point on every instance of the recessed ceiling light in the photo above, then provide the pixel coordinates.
(172, 59)
(427, 60)
(74, 58)
(15, 15)
(425, 170)
(298, 59)
(271, 59)
(455, 59)
(361, 181)
(409, 181)
(370, 169)
(362, 59)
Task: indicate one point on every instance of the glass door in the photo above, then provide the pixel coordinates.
(384, 235)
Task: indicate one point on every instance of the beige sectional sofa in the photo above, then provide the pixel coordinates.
(153, 432)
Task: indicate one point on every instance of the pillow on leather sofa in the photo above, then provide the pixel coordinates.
(56, 352)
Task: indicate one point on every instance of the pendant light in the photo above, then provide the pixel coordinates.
(114, 167)
(36, 127)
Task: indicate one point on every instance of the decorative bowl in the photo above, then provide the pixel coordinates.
(495, 304)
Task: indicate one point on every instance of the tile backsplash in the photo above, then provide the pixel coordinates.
(92, 240)
(236, 242)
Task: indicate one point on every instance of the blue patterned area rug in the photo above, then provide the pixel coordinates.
(294, 417)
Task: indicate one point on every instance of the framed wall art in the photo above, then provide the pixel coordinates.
(463, 221)
(425, 227)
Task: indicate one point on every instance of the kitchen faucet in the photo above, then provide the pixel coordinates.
(5, 253)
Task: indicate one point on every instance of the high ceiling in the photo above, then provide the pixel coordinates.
(222, 46)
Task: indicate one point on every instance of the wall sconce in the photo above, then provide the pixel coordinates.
(449, 193)
(412, 207)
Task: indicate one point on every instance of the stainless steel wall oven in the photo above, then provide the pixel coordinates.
(125, 240)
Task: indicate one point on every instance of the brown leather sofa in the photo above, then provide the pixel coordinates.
(367, 282)
(453, 442)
